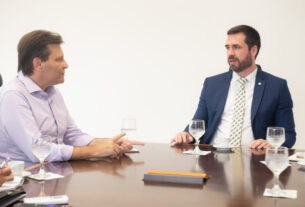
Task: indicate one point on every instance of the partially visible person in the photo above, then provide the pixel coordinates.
(31, 107)
(6, 175)
(1, 80)
(240, 104)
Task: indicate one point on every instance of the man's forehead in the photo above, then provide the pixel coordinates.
(55, 49)
(54, 46)
(237, 38)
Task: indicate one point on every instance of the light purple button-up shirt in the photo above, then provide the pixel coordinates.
(27, 112)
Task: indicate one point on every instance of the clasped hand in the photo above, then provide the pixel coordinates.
(113, 147)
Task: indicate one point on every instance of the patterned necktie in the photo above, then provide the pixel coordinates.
(238, 114)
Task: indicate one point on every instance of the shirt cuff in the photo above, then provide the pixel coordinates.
(60, 152)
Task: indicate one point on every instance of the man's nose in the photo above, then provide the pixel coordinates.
(66, 65)
(230, 52)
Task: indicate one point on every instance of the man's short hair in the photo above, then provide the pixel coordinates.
(35, 44)
(252, 36)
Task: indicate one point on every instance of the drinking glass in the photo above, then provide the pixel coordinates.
(197, 129)
(276, 136)
(277, 161)
(129, 127)
(41, 148)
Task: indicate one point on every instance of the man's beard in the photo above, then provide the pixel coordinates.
(241, 65)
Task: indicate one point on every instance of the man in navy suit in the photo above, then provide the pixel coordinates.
(267, 98)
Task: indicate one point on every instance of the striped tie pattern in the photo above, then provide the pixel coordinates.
(238, 114)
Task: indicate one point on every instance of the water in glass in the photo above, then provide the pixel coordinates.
(277, 161)
(129, 127)
(197, 130)
(276, 136)
(41, 151)
(41, 148)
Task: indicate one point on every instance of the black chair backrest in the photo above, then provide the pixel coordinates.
(0, 80)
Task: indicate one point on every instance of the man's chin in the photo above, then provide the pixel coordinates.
(234, 68)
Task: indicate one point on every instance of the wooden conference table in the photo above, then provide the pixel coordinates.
(99, 183)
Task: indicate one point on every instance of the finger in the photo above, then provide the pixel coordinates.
(135, 142)
(9, 178)
(173, 140)
(126, 147)
(266, 144)
(106, 159)
(178, 138)
(260, 144)
(6, 171)
(118, 137)
(189, 138)
(183, 138)
(254, 144)
(116, 150)
(122, 150)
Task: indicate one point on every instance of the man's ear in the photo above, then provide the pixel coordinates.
(254, 50)
(37, 64)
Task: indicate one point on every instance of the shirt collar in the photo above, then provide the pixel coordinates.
(32, 87)
(250, 77)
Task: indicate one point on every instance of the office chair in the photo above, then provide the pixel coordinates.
(0, 80)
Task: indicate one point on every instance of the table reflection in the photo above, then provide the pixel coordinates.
(243, 183)
(59, 186)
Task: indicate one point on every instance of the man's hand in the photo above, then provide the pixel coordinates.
(109, 147)
(127, 144)
(259, 144)
(99, 148)
(6, 175)
(182, 138)
(258, 151)
(117, 143)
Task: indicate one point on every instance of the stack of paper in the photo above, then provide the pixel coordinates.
(11, 185)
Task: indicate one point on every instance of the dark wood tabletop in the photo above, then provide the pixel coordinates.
(120, 183)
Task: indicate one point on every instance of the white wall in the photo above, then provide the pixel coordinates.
(148, 58)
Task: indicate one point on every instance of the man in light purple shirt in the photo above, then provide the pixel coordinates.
(31, 107)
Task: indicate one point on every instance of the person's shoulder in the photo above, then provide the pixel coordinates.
(270, 77)
(219, 76)
(14, 86)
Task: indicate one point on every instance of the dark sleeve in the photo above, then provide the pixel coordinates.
(284, 116)
(201, 112)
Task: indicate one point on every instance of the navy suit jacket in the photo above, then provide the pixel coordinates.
(271, 105)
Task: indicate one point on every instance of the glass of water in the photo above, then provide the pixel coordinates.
(197, 130)
(41, 148)
(277, 161)
(276, 136)
(129, 127)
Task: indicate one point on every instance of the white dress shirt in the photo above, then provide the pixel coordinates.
(224, 127)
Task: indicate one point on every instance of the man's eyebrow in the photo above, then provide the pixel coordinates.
(59, 57)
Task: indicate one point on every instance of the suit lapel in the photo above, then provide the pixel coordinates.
(258, 92)
(224, 94)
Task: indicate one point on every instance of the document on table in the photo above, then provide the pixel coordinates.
(298, 156)
(192, 152)
(49, 176)
(12, 185)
